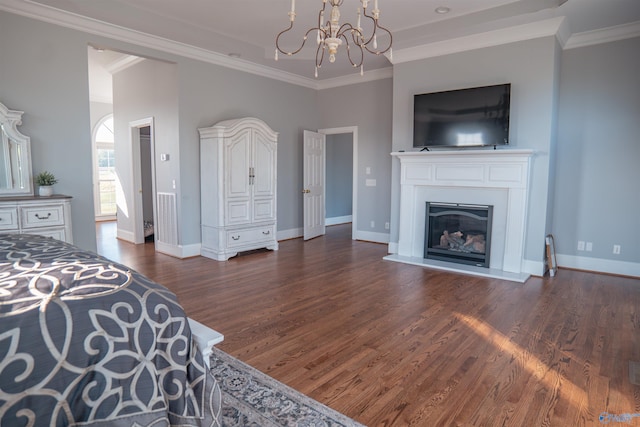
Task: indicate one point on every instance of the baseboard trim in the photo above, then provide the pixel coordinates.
(371, 236)
(179, 251)
(338, 220)
(293, 233)
(535, 268)
(599, 265)
(125, 235)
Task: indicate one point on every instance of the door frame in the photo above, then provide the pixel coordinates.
(136, 174)
(353, 130)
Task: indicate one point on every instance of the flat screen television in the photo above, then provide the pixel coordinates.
(472, 117)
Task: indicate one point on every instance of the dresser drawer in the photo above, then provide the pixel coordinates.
(8, 219)
(42, 216)
(250, 236)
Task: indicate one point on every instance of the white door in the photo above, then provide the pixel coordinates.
(313, 184)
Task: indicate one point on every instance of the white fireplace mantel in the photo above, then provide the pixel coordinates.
(499, 178)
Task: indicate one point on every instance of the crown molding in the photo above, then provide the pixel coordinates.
(548, 27)
(604, 35)
(124, 63)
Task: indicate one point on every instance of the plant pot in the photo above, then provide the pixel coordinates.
(45, 190)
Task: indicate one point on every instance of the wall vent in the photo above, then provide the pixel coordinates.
(167, 227)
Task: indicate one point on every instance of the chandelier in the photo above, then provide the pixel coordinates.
(330, 35)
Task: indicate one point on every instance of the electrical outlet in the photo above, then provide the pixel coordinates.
(616, 249)
(581, 245)
(386, 225)
(373, 224)
(589, 246)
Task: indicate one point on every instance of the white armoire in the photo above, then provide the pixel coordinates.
(238, 187)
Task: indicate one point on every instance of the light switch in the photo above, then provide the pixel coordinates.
(370, 183)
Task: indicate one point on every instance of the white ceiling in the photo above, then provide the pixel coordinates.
(248, 27)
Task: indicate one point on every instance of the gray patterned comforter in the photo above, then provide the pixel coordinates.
(86, 341)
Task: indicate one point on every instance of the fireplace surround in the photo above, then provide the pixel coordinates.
(498, 178)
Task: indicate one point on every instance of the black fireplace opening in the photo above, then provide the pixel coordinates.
(458, 233)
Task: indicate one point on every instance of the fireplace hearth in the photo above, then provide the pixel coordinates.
(459, 233)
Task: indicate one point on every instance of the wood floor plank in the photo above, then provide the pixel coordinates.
(390, 344)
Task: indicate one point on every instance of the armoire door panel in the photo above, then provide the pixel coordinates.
(238, 155)
(238, 212)
(264, 156)
(263, 210)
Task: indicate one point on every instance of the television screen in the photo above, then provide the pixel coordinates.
(462, 118)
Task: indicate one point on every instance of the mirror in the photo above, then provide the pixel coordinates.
(15, 156)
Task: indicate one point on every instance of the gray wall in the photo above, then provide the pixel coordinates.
(597, 198)
(339, 175)
(531, 68)
(44, 73)
(98, 112)
(367, 106)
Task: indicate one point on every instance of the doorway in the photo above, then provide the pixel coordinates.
(143, 148)
(339, 140)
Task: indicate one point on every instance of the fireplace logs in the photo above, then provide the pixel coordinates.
(455, 242)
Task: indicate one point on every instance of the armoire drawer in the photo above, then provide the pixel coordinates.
(244, 237)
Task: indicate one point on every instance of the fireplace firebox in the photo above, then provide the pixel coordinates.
(458, 233)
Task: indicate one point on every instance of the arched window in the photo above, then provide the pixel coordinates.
(104, 170)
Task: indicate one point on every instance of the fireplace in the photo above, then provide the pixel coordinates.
(497, 178)
(458, 233)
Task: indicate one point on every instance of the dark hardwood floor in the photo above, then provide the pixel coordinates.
(390, 344)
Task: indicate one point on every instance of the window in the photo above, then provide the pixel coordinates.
(105, 171)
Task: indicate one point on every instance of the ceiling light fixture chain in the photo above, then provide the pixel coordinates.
(330, 35)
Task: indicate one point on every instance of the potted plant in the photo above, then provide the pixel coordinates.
(45, 180)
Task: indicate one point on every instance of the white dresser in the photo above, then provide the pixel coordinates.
(238, 161)
(47, 216)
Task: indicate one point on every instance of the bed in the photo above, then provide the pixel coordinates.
(86, 341)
